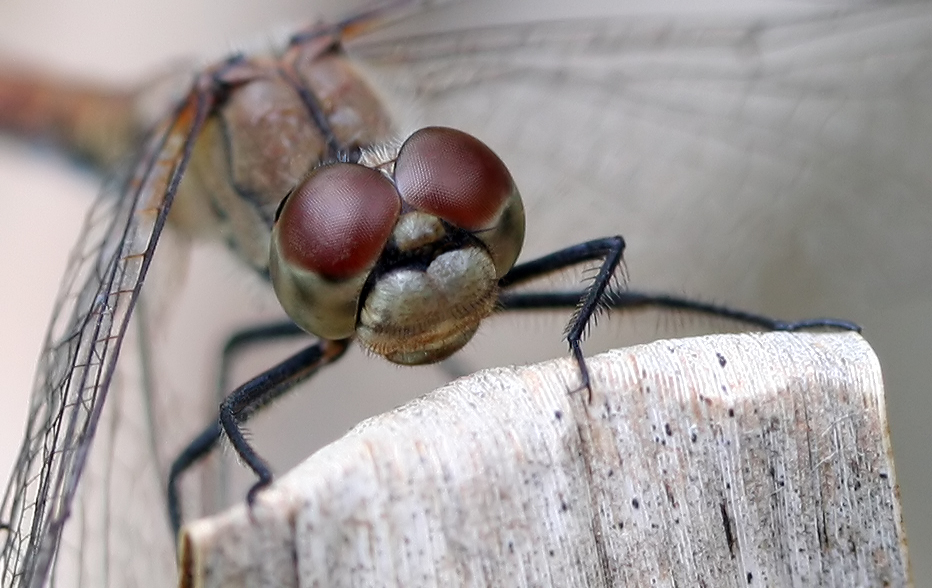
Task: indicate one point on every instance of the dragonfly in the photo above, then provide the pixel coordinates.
(460, 79)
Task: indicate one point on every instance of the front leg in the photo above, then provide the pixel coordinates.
(239, 406)
(591, 301)
(602, 295)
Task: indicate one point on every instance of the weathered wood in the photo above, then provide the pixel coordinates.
(728, 460)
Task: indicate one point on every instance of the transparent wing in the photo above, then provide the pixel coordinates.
(782, 140)
(98, 295)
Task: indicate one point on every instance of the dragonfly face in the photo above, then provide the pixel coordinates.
(409, 260)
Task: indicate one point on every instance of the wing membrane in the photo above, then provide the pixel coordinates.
(97, 298)
(761, 137)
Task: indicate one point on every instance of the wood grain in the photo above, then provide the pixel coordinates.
(726, 460)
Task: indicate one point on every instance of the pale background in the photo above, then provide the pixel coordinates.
(42, 202)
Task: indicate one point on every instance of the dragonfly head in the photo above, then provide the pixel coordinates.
(408, 262)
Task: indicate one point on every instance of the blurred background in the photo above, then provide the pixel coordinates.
(785, 197)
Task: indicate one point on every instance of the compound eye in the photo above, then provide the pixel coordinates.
(337, 221)
(454, 176)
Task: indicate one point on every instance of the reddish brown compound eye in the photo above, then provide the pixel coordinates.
(454, 176)
(338, 220)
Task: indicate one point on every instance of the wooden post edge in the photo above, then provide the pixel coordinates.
(725, 460)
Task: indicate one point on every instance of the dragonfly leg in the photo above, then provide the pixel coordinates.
(250, 336)
(196, 450)
(239, 341)
(601, 295)
(204, 443)
(240, 405)
(631, 300)
(591, 300)
(252, 396)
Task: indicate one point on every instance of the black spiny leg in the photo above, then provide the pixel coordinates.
(631, 300)
(258, 392)
(205, 442)
(601, 295)
(240, 405)
(195, 451)
(250, 336)
(591, 300)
